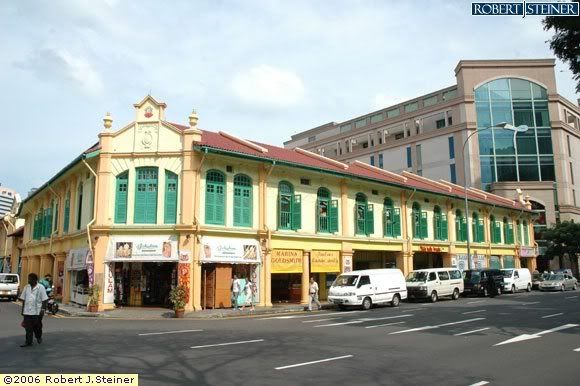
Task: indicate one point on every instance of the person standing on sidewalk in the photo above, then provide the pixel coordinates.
(249, 292)
(34, 300)
(313, 291)
(235, 291)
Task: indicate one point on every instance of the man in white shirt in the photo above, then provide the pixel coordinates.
(34, 300)
(313, 292)
(235, 291)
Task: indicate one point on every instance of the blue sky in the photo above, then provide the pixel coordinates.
(263, 70)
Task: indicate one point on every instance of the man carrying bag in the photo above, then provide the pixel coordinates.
(34, 300)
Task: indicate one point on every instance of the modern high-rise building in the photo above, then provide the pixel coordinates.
(427, 136)
(7, 197)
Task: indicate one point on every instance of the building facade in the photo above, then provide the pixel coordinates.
(155, 204)
(426, 136)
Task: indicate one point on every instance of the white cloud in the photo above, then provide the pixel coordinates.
(380, 101)
(268, 86)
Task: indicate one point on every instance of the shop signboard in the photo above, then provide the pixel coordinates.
(229, 250)
(145, 248)
(90, 268)
(324, 261)
(527, 251)
(77, 259)
(109, 293)
(461, 262)
(286, 260)
(347, 263)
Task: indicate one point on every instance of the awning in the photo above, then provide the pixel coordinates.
(142, 249)
(230, 250)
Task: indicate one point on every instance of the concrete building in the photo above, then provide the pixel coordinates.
(7, 198)
(9, 204)
(426, 135)
(154, 204)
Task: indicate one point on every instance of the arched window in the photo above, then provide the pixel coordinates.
(170, 209)
(391, 219)
(460, 226)
(122, 185)
(79, 205)
(146, 196)
(364, 216)
(289, 207)
(419, 222)
(215, 198)
(242, 200)
(508, 231)
(440, 224)
(66, 212)
(326, 212)
(494, 230)
(477, 228)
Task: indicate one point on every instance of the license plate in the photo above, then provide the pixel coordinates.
(338, 301)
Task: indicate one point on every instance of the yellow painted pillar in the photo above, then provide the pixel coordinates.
(344, 210)
(99, 250)
(266, 281)
(195, 278)
(447, 260)
(346, 262)
(44, 268)
(186, 268)
(405, 262)
(305, 276)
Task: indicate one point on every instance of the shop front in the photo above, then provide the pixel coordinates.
(495, 262)
(140, 271)
(222, 258)
(78, 276)
(428, 256)
(286, 267)
(528, 257)
(508, 262)
(363, 259)
(460, 261)
(324, 267)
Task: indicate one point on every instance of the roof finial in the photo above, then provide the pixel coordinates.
(193, 118)
(107, 121)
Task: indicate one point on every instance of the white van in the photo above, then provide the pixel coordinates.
(9, 283)
(516, 279)
(433, 283)
(367, 287)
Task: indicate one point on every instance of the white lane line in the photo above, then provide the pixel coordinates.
(472, 312)
(571, 297)
(476, 301)
(229, 343)
(577, 349)
(480, 383)
(436, 326)
(313, 362)
(168, 332)
(529, 303)
(552, 315)
(473, 331)
(385, 318)
(317, 315)
(427, 304)
(339, 324)
(523, 337)
(385, 324)
(318, 320)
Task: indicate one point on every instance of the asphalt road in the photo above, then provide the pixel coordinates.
(522, 339)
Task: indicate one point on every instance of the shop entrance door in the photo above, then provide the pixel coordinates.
(158, 280)
(216, 281)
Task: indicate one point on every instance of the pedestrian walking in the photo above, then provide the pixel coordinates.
(235, 291)
(249, 292)
(34, 300)
(313, 291)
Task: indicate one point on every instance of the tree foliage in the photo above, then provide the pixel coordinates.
(563, 238)
(566, 41)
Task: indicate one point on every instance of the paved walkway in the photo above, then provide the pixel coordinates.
(166, 313)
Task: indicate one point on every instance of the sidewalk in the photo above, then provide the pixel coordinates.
(147, 313)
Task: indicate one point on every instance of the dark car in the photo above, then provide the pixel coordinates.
(486, 282)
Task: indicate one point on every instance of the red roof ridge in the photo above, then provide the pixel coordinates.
(477, 193)
(178, 126)
(244, 142)
(427, 181)
(321, 158)
(504, 199)
(452, 184)
(379, 170)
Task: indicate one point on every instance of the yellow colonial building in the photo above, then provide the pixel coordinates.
(155, 204)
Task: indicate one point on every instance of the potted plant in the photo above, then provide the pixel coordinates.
(178, 296)
(94, 294)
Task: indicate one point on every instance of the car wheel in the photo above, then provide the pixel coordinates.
(455, 294)
(513, 289)
(396, 300)
(563, 288)
(367, 303)
(529, 288)
(433, 297)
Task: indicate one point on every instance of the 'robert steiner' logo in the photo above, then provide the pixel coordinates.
(526, 8)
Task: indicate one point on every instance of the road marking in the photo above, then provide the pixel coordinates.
(309, 316)
(577, 349)
(480, 383)
(386, 317)
(168, 332)
(476, 301)
(572, 297)
(427, 304)
(473, 331)
(385, 324)
(436, 326)
(527, 304)
(523, 337)
(318, 320)
(229, 343)
(339, 324)
(472, 312)
(552, 315)
(313, 362)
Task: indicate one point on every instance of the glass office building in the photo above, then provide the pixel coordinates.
(518, 102)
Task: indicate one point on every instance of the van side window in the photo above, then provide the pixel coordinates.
(432, 276)
(443, 275)
(455, 274)
(364, 280)
(516, 274)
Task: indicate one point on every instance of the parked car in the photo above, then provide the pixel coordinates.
(9, 283)
(516, 279)
(367, 287)
(433, 283)
(486, 282)
(538, 278)
(559, 282)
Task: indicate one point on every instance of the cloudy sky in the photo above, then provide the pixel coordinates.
(260, 69)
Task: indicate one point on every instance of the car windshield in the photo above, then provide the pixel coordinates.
(417, 277)
(8, 279)
(472, 276)
(507, 272)
(555, 277)
(345, 281)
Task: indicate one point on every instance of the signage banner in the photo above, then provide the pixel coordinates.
(286, 260)
(346, 263)
(527, 251)
(229, 250)
(145, 248)
(109, 292)
(461, 262)
(77, 259)
(325, 261)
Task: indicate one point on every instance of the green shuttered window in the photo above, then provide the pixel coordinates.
(146, 195)
(364, 216)
(419, 222)
(66, 212)
(79, 205)
(170, 210)
(494, 230)
(289, 207)
(121, 198)
(508, 229)
(460, 226)
(326, 212)
(215, 197)
(391, 219)
(477, 228)
(242, 201)
(440, 224)
(526, 231)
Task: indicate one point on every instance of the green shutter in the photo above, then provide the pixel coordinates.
(510, 233)
(369, 220)
(237, 206)
(220, 204)
(140, 202)
(423, 226)
(497, 232)
(333, 216)
(416, 224)
(146, 196)
(210, 203)
(152, 187)
(526, 233)
(55, 222)
(388, 221)
(480, 230)
(396, 222)
(296, 211)
(66, 213)
(463, 228)
(121, 198)
(443, 231)
(170, 210)
(247, 213)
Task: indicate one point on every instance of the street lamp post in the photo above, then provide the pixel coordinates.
(502, 125)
